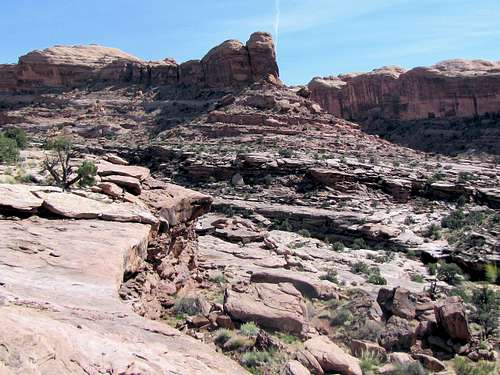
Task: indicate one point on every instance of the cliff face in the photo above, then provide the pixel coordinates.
(229, 65)
(454, 88)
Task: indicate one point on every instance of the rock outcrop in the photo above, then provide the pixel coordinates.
(232, 64)
(453, 88)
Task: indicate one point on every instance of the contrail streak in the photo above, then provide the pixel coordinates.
(277, 22)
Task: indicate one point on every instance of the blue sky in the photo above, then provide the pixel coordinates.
(315, 37)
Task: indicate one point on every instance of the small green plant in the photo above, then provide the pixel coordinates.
(256, 359)
(376, 278)
(222, 335)
(491, 273)
(304, 233)
(369, 363)
(18, 135)
(249, 329)
(359, 244)
(432, 268)
(285, 153)
(418, 278)
(338, 246)
(462, 293)
(433, 232)
(187, 306)
(331, 275)
(360, 267)
(340, 317)
(219, 278)
(366, 330)
(450, 273)
(487, 303)
(9, 151)
(464, 367)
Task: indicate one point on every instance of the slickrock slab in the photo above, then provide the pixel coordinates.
(331, 357)
(294, 368)
(130, 184)
(308, 286)
(18, 197)
(276, 306)
(77, 207)
(106, 169)
(23, 197)
(59, 307)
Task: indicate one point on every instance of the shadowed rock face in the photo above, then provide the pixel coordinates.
(229, 65)
(453, 88)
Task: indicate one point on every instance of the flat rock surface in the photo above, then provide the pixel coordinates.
(60, 310)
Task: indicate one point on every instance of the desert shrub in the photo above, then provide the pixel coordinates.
(18, 135)
(367, 330)
(304, 233)
(464, 367)
(218, 279)
(360, 267)
(458, 219)
(410, 368)
(450, 273)
(255, 359)
(9, 151)
(249, 329)
(491, 273)
(460, 292)
(376, 278)
(285, 153)
(60, 167)
(340, 316)
(222, 335)
(338, 246)
(463, 177)
(331, 275)
(288, 338)
(416, 277)
(369, 363)
(433, 231)
(432, 268)
(187, 306)
(487, 303)
(359, 244)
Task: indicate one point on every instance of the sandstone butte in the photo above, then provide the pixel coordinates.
(452, 88)
(231, 64)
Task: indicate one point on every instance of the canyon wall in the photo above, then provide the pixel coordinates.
(232, 64)
(453, 88)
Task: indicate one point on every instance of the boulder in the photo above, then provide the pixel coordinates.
(451, 317)
(308, 286)
(107, 169)
(275, 306)
(429, 362)
(331, 357)
(398, 335)
(294, 368)
(77, 207)
(397, 301)
(115, 159)
(309, 361)
(359, 347)
(131, 184)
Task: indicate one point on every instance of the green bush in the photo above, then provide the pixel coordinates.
(450, 273)
(369, 363)
(464, 367)
(86, 171)
(340, 316)
(187, 306)
(249, 329)
(377, 279)
(487, 303)
(359, 244)
(491, 273)
(417, 278)
(255, 359)
(432, 268)
(304, 233)
(9, 151)
(360, 267)
(338, 246)
(433, 231)
(18, 135)
(222, 335)
(331, 275)
(366, 330)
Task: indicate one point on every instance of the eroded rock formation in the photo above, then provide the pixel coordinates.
(453, 88)
(232, 64)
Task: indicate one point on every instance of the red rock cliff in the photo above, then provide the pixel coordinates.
(229, 65)
(453, 88)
